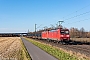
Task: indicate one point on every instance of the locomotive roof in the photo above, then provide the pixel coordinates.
(59, 28)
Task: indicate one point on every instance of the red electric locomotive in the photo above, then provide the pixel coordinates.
(59, 34)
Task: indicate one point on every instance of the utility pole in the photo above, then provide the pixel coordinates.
(28, 33)
(35, 27)
(28, 30)
(35, 30)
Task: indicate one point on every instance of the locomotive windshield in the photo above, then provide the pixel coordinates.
(64, 32)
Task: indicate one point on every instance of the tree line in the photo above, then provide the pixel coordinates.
(79, 33)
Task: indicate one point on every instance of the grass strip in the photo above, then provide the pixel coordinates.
(61, 55)
(24, 53)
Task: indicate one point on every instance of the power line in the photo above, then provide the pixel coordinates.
(79, 21)
(77, 10)
(39, 26)
(77, 15)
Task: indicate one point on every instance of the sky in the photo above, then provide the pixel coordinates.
(22, 15)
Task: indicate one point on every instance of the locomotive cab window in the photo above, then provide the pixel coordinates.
(66, 32)
(62, 32)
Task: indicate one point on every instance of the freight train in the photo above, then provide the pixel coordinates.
(58, 35)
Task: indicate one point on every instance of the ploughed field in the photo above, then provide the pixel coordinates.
(10, 48)
(82, 51)
(81, 39)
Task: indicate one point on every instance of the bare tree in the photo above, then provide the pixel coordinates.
(88, 34)
(82, 32)
(72, 32)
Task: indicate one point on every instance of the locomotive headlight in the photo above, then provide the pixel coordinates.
(68, 36)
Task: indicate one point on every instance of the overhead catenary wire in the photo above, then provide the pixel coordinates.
(78, 15)
(78, 21)
(77, 10)
(39, 26)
